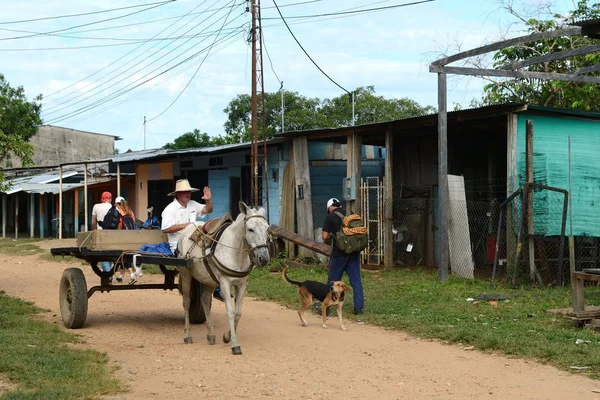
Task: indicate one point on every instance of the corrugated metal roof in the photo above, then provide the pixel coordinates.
(166, 153)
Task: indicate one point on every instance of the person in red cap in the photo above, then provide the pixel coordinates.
(98, 213)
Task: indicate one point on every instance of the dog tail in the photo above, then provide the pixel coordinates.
(286, 279)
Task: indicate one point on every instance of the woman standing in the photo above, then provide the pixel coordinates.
(128, 223)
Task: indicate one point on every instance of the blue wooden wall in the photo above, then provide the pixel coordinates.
(551, 168)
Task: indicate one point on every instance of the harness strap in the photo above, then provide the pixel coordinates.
(210, 271)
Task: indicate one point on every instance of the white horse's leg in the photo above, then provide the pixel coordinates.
(240, 292)
(185, 277)
(230, 336)
(206, 300)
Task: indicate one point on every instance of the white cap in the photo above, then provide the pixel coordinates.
(333, 202)
(119, 199)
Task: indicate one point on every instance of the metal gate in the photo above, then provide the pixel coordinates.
(371, 209)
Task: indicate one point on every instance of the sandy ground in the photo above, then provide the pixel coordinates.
(142, 331)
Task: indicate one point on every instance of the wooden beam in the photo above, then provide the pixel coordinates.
(356, 170)
(85, 197)
(515, 74)
(529, 178)
(585, 70)
(42, 214)
(60, 202)
(118, 179)
(443, 176)
(388, 244)
(4, 214)
(303, 191)
(16, 215)
(31, 215)
(571, 31)
(552, 57)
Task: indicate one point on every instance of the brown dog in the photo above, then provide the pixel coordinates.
(327, 295)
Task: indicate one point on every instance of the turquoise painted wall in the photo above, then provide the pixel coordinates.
(551, 167)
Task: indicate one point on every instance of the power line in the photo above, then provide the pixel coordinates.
(139, 62)
(268, 56)
(90, 23)
(307, 55)
(225, 43)
(122, 57)
(125, 90)
(356, 11)
(197, 69)
(78, 15)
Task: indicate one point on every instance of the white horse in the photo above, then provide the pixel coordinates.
(242, 244)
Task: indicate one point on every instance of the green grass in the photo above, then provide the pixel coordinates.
(20, 247)
(412, 300)
(36, 357)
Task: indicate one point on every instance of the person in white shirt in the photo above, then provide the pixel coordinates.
(183, 211)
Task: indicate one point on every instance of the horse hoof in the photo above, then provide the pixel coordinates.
(237, 350)
(187, 340)
(227, 337)
(211, 339)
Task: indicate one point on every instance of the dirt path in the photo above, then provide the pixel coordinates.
(142, 331)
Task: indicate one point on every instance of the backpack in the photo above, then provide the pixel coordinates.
(128, 222)
(111, 219)
(352, 236)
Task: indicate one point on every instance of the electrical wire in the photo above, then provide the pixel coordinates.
(122, 57)
(226, 43)
(125, 90)
(95, 88)
(356, 11)
(269, 56)
(90, 23)
(305, 52)
(78, 15)
(197, 69)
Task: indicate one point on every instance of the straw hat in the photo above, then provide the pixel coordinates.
(182, 185)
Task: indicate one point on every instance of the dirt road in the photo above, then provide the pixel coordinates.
(142, 331)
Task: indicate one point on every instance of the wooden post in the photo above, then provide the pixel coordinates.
(388, 208)
(31, 215)
(303, 191)
(529, 178)
(42, 214)
(85, 197)
(60, 202)
(4, 214)
(443, 176)
(576, 286)
(76, 216)
(16, 215)
(118, 179)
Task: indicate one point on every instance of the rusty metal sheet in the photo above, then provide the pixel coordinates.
(283, 233)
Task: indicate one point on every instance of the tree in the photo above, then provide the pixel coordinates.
(302, 113)
(195, 139)
(560, 94)
(19, 121)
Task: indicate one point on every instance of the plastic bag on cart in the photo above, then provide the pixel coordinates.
(160, 248)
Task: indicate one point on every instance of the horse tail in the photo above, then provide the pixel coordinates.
(286, 279)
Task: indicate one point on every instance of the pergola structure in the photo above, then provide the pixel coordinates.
(590, 28)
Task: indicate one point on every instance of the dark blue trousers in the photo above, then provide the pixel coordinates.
(350, 264)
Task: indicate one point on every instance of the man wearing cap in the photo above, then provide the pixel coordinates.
(184, 211)
(98, 213)
(341, 262)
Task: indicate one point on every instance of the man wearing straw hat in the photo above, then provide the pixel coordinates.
(184, 211)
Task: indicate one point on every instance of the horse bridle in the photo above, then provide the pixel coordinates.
(249, 249)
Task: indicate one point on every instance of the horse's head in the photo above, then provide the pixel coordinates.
(256, 233)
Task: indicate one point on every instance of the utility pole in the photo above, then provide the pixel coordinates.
(144, 132)
(282, 108)
(258, 158)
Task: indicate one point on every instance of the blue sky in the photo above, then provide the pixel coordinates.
(390, 49)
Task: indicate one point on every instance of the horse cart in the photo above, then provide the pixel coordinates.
(74, 293)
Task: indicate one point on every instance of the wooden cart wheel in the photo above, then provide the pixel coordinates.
(73, 298)
(196, 312)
